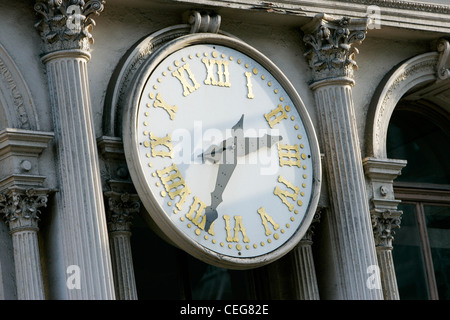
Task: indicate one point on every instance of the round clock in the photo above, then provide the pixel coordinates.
(221, 151)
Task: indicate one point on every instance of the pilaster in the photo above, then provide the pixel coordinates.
(20, 209)
(304, 263)
(385, 217)
(331, 54)
(65, 28)
(22, 194)
(122, 203)
(121, 208)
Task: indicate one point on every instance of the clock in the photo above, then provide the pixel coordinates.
(221, 151)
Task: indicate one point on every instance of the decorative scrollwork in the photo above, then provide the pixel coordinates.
(204, 22)
(443, 48)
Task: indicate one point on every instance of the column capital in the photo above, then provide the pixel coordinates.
(330, 46)
(120, 210)
(308, 237)
(66, 24)
(20, 207)
(384, 223)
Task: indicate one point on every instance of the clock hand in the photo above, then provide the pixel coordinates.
(252, 144)
(214, 152)
(226, 168)
(231, 148)
(223, 176)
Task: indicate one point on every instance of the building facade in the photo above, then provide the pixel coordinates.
(367, 80)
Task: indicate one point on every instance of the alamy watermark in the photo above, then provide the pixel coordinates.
(374, 279)
(73, 277)
(74, 18)
(374, 14)
(232, 146)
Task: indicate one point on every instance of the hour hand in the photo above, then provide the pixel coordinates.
(249, 145)
(215, 152)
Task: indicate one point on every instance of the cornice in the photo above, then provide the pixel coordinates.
(290, 6)
(405, 5)
(406, 15)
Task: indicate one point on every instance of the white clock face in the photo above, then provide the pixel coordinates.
(224, 157)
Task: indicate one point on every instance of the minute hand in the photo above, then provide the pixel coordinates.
(228, 162)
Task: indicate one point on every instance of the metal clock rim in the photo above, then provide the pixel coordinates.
(157, 215)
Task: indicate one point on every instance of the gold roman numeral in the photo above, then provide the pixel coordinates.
(275, 116)
(196, 215)
(165, 143)
(189, 84)
(174, 184)
(160, 103)
(238, 227)
(250, 94)
(266, 218)
(223, 76)
(292, 192)
(289, 155)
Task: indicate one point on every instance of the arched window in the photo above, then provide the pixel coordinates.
(420, 134)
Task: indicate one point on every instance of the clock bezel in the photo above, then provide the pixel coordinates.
(157, 215)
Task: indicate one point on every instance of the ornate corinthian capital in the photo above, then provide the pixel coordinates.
(330, 45)
(121, 207)
(384, 224)
(20, 208)
(65, 24)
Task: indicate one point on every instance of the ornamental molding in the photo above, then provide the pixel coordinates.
(20, 207)
(118, 88)
(293, 7)
(330, 43)
(19, 106)
(66, 24)
(119, 83)
(405, 76)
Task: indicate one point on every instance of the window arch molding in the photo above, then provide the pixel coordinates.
(16, 103)
(413, 72)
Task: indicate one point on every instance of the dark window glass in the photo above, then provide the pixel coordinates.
(423, 143)
(420, 134)
(408, 257)
(165, 272)
(438, 229)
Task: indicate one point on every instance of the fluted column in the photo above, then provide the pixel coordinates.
(121, 207)
(65, 30)
(304, 264)
(20, 209)
(331, 56)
